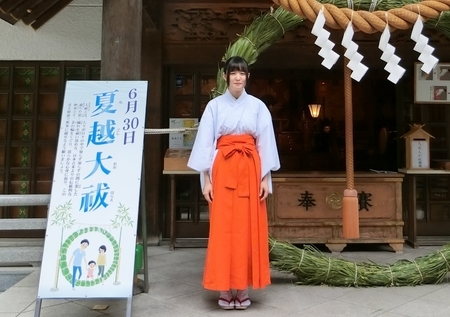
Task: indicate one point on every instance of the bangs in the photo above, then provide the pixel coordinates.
(236, 63)
(237, 66)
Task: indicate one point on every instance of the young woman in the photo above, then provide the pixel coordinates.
(235, 151)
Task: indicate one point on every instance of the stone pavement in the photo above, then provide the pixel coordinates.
(175, 290)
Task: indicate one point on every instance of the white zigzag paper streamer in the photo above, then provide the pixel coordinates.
(425, 50)
(395, 71)
(358, 69)
(329, 56)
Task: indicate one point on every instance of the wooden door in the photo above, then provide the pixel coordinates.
(31, 96)
(189, 92)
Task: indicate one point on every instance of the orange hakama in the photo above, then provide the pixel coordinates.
(237, 255)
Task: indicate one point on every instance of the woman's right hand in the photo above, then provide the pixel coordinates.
(208, 189)
(208, 192)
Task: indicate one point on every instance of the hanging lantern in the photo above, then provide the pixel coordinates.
(314, 109)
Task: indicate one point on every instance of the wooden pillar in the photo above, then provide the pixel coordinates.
(121, 40)
(152, 71)
(131, 52)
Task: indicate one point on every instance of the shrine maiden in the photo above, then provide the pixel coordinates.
(235, 151)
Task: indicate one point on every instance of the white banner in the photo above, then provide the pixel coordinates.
(92, 220)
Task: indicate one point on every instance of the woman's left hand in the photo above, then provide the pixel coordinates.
(264, 189)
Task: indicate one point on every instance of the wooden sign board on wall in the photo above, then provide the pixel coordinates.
(432, 87)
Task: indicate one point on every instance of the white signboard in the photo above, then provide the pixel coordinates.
(91, 232)
(182, 140)
(432, 87)
(419, 154)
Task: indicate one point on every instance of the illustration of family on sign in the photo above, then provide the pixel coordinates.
(79, 263)
(79, 257)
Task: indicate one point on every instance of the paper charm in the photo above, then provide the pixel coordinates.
(395, 71)
(425, 50)
(358, 69)
(329, 56)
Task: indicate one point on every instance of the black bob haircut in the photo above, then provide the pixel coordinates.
(235, 63)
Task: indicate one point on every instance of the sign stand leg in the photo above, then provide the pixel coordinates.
(144, 226)
(129, 304)
(37, 308)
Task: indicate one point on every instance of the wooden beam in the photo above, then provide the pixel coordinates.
(121, 40)
(43, 8)
(49, 14)
(24, 9)
(9, 5)
(147, 21)
(8, 18)
(151, 14)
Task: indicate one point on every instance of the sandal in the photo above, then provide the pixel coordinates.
(242, 303)
(226, 303)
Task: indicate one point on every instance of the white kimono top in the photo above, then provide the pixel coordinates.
(226, 115)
